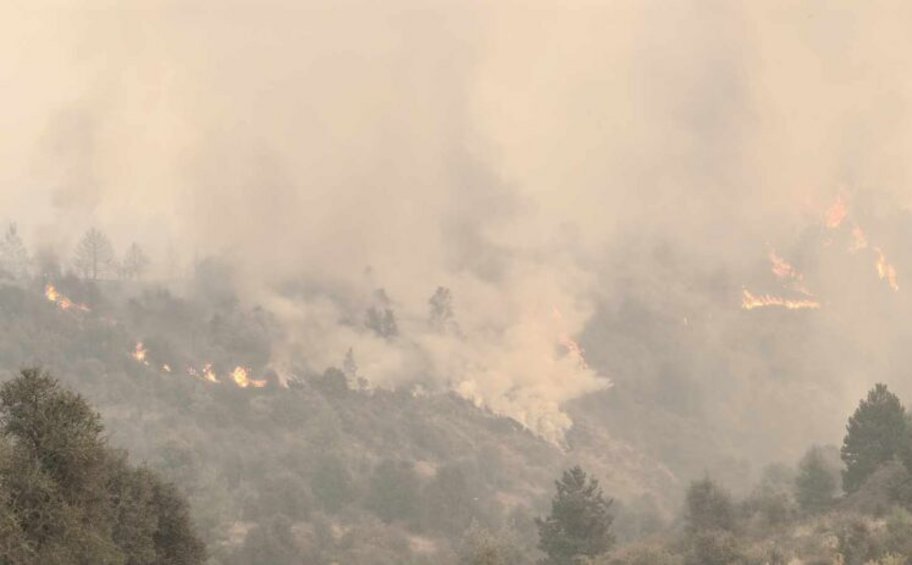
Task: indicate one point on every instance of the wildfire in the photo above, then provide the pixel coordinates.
(782, 268)
(209, 374)
(572, 347)
(241, 378)
(885, 270)
(784, 271)
(836, 213)
(859, 239)
(139, 353)
(62, 302)
(750, 301)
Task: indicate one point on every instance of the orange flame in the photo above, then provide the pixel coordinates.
(241, 378)
(859, 239)
(572, 347)
(836, 213)
(139, 353)
(784, 271)
(62, 302)
(885, 270)
(750, 301)
(782, 268)
(209, 374)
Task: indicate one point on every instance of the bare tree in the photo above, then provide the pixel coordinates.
(135, 262)
(13, 255)
(94, 255)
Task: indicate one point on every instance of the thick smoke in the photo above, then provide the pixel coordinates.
(531, 159)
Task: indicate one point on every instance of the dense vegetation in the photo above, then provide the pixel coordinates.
(65, 497)
(801, 516)
(322, 469)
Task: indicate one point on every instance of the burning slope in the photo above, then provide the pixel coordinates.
(62, 302)
(833, 219)
(241, 378)
(750, 301)
(788, 276)
(573, 348)
(885, 270)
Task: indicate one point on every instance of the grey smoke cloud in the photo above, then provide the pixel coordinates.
(516, 153)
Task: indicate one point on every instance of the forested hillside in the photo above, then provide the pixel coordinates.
(311, 470)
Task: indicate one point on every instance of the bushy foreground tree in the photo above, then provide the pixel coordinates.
(579, 525)
(65, 497)
(876, 434)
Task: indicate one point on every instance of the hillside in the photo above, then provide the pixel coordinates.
(311, 470)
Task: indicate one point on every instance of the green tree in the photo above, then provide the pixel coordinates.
(579, 525)
(815, 486)
(65, 497)
(449, 500)
(393, 491)
(876, 433)
(94, 256)
(332, 484)
(176, 542)
(708, 507)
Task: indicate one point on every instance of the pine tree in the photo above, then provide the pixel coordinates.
(350, 366)
(94, 255)
(135, 262)
(708, 507)
(876, 434)
(816, 482)
(579, 525)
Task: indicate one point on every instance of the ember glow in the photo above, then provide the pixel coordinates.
(782, 268)
(241, 378)
(139, 353)
(209, 373)
(859, 239)
(62, 302)
(788, 274)
(750, 301)
(885, 270)
(572, 347)
(836, 213)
